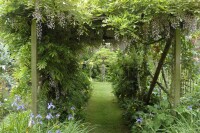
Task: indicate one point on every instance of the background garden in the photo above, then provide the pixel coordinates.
(53, 52)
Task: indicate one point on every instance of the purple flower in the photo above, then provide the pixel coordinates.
(32, 115)
(57, 115)
(32, 122)
(38, 116)
(58, 131)
(50, 105)
(17, 98)
(49, 116)
(40, 122)
(20, 107)
(73, 108)
(14, 104)
(139, 120)
(189, 107)
(70, 117)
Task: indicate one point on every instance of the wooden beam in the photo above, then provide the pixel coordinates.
(34, 74)
(176, 78)
(158, 69)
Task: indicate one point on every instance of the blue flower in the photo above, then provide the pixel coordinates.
(17, 98)
(14, 104)
(40, 122)
(58, 131)
(38, 116)
(57, 115)
(50, 105)
(49, 131)
(189, 107)
(49, 116)
(73, 108)
(31, 123)
(70, 117)
(32, 115)
(139, 120)
(20, 107)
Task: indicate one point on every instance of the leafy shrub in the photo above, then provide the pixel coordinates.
(61, 79)
(103, 56)
(125, 76)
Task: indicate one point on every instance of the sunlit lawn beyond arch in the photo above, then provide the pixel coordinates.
(103, 111)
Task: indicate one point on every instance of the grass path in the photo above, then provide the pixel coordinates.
(103, 111)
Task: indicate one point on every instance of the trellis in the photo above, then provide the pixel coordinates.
(188, 83)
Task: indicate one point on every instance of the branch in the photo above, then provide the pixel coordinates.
(162, 88)
(158, 69)
(164, 78)
(160, 85)
(155, 41)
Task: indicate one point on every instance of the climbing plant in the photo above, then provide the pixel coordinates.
(59, 31)
(64, 28)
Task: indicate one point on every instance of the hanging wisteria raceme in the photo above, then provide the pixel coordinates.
(39, 30)
(50, 19)
(190, 23)
(175, 22)
(61, 19)
(162, 25)
(38, 16)
(166, 27)
(155, 29)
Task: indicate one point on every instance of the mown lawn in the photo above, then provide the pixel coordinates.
(103, 111)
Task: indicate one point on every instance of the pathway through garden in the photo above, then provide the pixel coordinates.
(103, 112)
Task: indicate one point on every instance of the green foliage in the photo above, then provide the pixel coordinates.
(160, 118)
(102, 56)
(15, 122)
(17, 118)
(19, 123)
(62, 27)
(186, 124)
(59, 32)
(128, 19)
(125, 75)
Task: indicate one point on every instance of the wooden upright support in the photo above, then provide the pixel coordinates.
(176, 77)
(34, 74)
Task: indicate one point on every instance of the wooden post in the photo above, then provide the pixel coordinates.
(34, 75)
(103, 72)
(176, 78)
